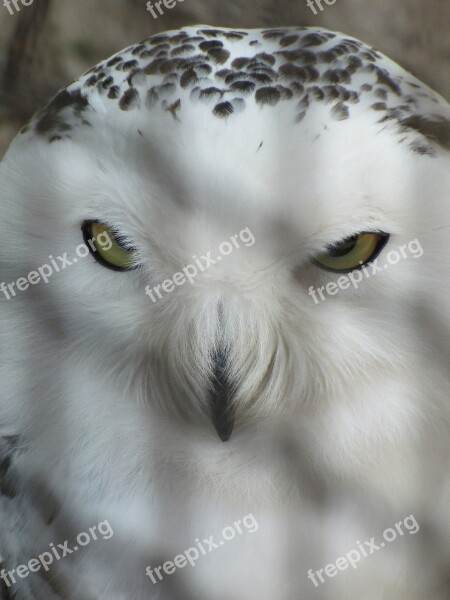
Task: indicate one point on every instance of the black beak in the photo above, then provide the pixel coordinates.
(222, 412)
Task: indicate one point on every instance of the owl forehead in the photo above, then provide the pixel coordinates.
(227, 72)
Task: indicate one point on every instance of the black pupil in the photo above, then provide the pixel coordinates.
(343, 248)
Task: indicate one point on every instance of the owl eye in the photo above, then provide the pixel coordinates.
(108, 247)
(353, 252)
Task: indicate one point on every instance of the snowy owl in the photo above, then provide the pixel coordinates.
(224, 342)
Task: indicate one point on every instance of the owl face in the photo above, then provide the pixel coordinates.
(335, 218)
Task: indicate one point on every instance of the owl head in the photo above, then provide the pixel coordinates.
(244, 233)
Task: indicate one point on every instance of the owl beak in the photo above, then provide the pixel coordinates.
(222, 412)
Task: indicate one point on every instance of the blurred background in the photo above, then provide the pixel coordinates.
(49, 43)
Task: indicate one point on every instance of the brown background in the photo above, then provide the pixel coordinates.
(46, 45)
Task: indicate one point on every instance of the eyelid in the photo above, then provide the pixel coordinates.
(349, 236)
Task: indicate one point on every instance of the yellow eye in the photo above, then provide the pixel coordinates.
(352, 253)
(107, 247)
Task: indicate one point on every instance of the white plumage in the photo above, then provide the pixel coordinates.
(341, 409)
